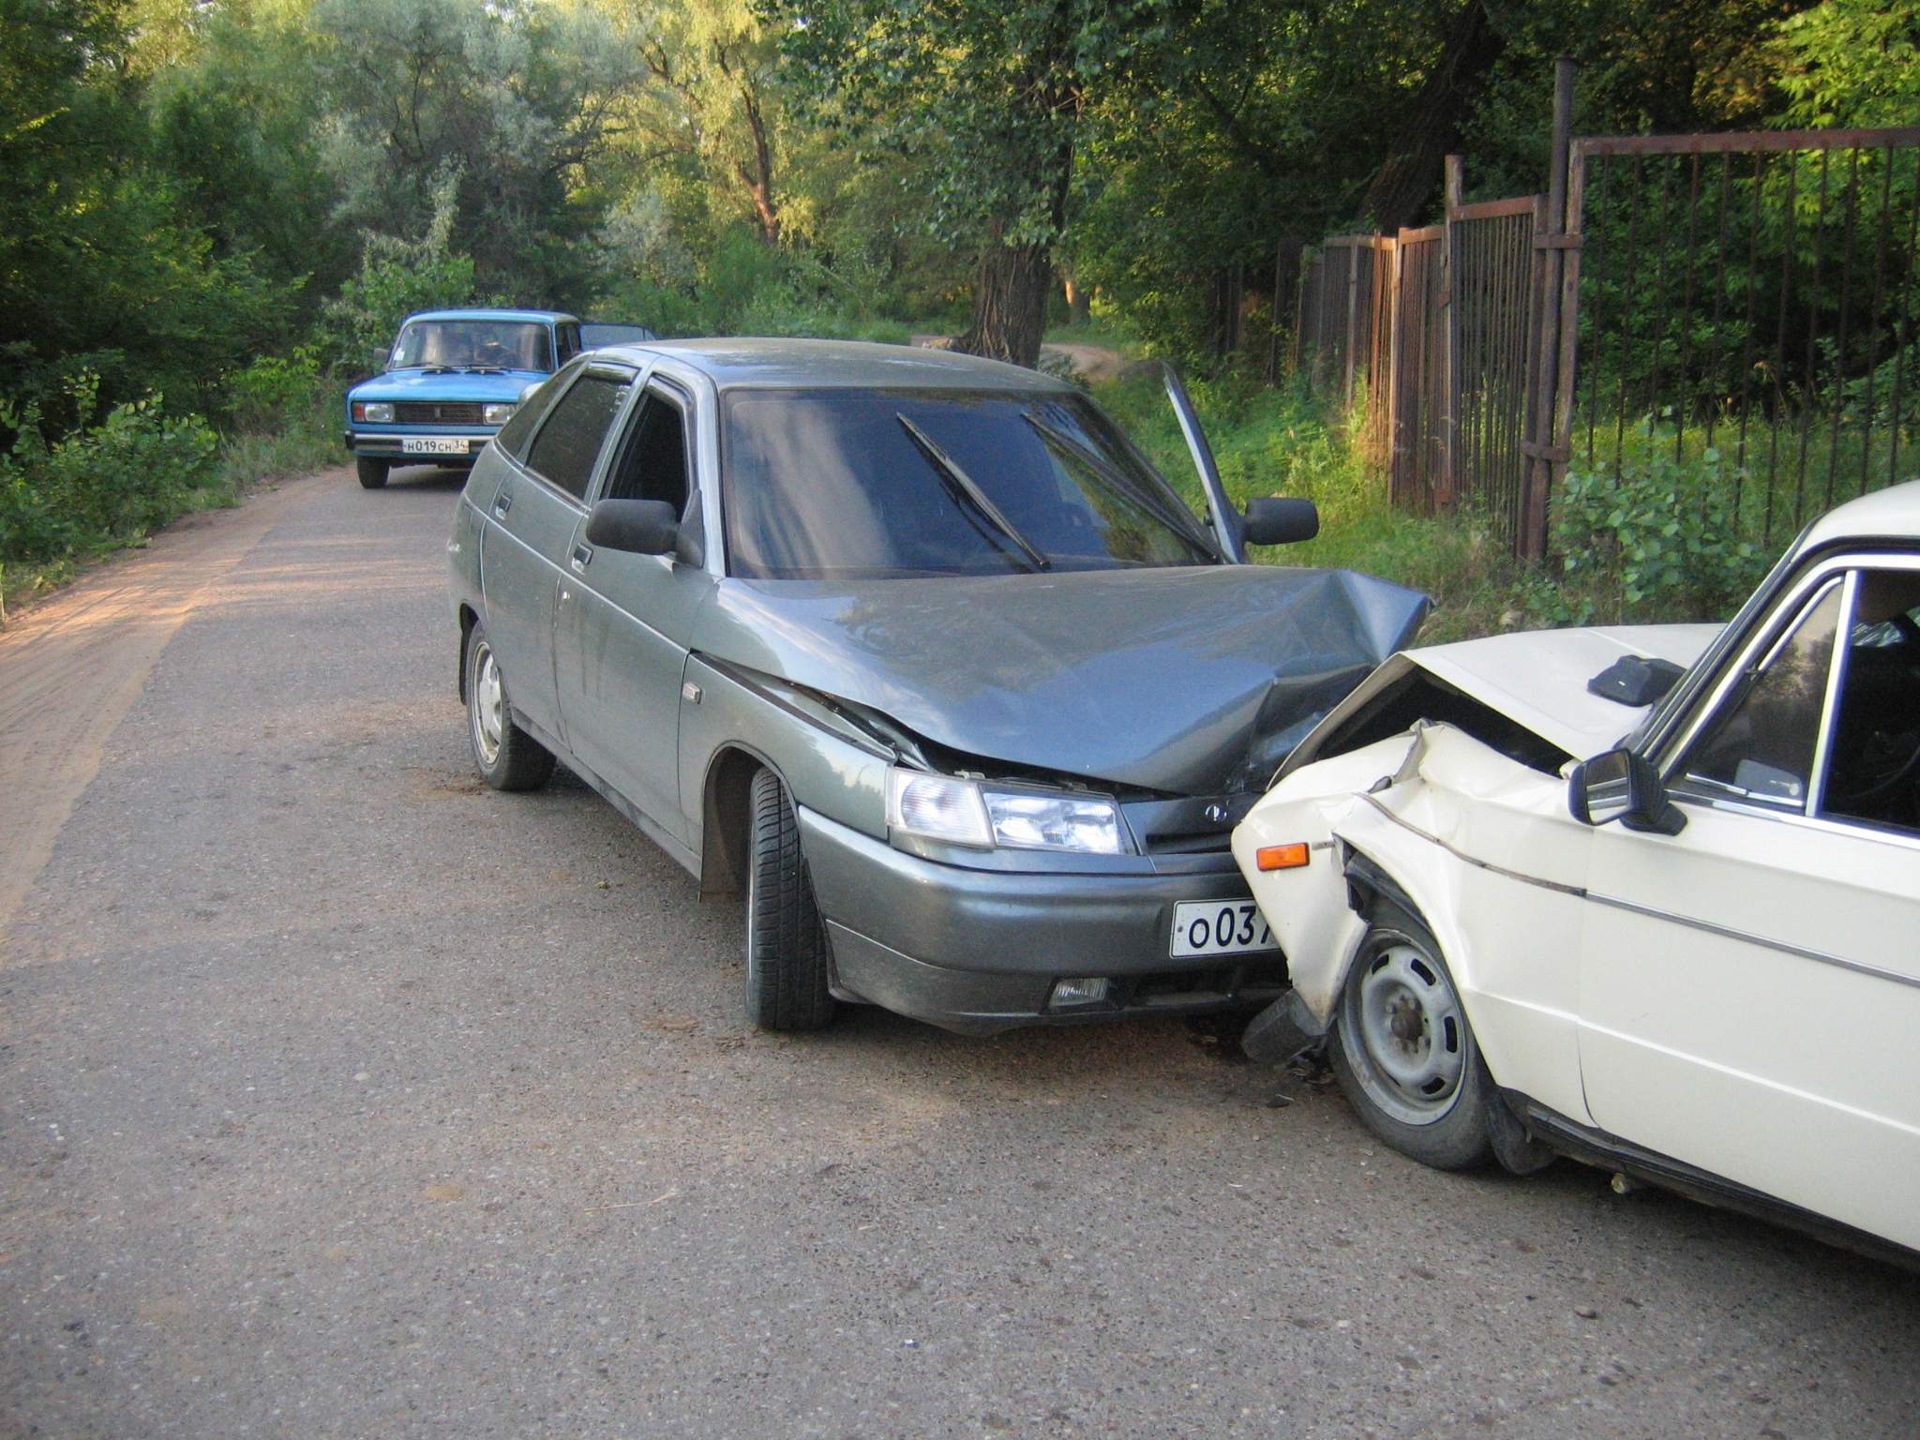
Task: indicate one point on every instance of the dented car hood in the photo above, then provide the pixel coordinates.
(1538, 679)
(1186, 681)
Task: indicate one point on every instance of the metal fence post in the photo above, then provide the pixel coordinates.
(1546, 460)
(1456, 192)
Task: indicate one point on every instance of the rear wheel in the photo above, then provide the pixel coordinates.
(505, 755)
(1404, 1053)
(786, 942)
(372, 472)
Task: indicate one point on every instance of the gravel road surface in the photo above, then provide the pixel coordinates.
(342, 1097)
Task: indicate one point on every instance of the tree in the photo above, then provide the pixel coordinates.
(996, 97)
(711, 100)
(513, 98)
(102, 267)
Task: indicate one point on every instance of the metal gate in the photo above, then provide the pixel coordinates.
(1746, 312)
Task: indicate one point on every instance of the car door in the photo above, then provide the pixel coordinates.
(624, 621)
(535, 514)
(1750, 987)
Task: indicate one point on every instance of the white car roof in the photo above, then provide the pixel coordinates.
(1890, 514)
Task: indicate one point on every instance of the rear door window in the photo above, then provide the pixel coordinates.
(565, 449)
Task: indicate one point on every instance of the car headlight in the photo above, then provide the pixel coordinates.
(968, 812)
(376, 412)
(497, 414)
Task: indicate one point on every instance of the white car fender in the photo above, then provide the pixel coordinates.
(1306, 905)
(1410, 806)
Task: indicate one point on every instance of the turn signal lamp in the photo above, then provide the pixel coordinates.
(1281, 857)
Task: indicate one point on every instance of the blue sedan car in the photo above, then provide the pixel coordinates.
(452, 379)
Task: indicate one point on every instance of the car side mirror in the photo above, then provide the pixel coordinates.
(640, 527)
(1272, 521)
(1622, 785)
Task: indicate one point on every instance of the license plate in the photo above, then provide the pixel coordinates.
(1219, 927)
(433, 445)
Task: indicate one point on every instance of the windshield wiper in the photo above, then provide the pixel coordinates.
(1121, 483)
(962, 486)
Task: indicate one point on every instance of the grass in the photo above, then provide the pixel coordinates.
(1276, 442)
(1670, 528)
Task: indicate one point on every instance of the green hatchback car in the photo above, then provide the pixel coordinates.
(917, 653)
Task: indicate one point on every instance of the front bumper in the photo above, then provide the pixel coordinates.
(459, 448)
(978, 951)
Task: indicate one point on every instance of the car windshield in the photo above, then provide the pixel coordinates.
(845, 484)
(472, 345)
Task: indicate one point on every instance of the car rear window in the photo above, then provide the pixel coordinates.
(830, 484)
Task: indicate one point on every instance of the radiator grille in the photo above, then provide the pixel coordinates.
(437, 412)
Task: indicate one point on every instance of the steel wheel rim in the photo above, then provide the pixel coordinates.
(489, 706)
(1412, 1052)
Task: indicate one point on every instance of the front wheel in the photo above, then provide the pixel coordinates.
(787, 953)
(505, 755)
(1404, 1053)
(372, 473)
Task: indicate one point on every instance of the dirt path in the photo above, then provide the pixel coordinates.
(1090, 362)
(72, 666)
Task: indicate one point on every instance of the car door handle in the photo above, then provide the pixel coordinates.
(502, 503)
(582, 556)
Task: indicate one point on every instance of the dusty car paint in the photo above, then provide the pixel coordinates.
(1728, 1008)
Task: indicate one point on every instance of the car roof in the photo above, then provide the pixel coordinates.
(1890, 514)
(534, 316)
(735, 363)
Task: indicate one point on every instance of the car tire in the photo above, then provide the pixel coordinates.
(1404, 1053)
(373, 473)
(505, 755)
(787, 955)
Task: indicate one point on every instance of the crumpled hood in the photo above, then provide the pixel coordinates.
(1536, 678)
(1189, 681)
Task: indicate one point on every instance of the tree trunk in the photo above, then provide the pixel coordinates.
(1404, 184)
(1079, 302)
(759, 177)
(1010, 304)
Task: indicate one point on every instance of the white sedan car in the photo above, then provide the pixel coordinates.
(1646, 896)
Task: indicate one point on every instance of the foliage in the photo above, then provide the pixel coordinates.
(995, 96)
(98, 485)
(1851, 62)
(100, 269)
(741, 287)
(509, 100)
(397, 277)
(263, 396)
(1659, 538)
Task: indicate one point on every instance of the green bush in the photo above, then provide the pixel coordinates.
(100, 485)
(1659, 540)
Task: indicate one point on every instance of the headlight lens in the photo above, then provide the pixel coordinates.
(965, 812)
(1024, 820)
(496, 414)
(377, 412)
(937, 807)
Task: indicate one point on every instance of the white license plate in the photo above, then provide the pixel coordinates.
(1219, 927)
(433, 445)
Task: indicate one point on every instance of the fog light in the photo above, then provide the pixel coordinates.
(1088, 991)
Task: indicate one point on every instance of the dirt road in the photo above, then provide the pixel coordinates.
(340, 1096)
